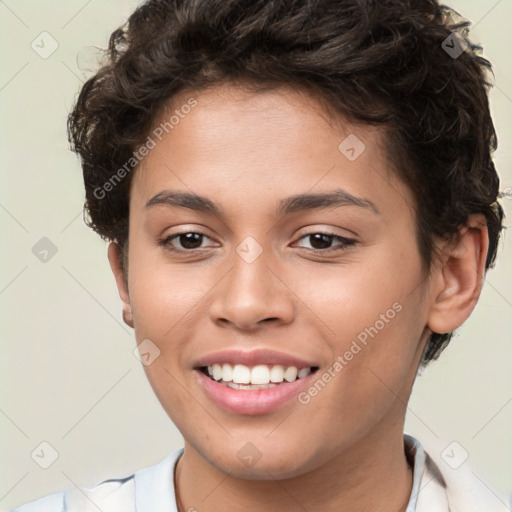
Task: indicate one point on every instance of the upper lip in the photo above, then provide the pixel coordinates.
(252, 358)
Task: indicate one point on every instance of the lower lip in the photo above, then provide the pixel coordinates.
(251, 401)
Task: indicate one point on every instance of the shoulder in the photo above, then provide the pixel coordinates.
(114, 495)
(108, 496)
(53, 502)
(454, 487)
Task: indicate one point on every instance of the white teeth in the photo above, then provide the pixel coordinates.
(303, 372)
(217, 371)
(249, 386)
(260, 376)
(241, 374)
(227, 373)
(290, 374)
(277, 373)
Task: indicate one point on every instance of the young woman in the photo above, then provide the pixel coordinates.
(301, 205)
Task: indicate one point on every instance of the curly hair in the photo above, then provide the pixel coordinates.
(385, 62)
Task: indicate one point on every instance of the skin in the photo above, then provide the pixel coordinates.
(246, 152)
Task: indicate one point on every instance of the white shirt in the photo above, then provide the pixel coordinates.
(152, 490)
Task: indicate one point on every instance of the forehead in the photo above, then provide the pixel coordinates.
(238, 145)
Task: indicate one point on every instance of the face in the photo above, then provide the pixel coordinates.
(270, 245)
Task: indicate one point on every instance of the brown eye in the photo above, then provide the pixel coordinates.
(323, 241)
(186, 241)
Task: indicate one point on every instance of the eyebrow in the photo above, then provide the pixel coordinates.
(289, 205)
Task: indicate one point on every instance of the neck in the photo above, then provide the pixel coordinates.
(371, 475)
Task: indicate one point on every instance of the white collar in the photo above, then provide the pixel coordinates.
(432, 489)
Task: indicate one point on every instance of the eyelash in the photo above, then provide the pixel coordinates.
(345, 242)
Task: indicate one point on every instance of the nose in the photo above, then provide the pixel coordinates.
(251, 295)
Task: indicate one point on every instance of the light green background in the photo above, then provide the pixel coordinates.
(68, 375)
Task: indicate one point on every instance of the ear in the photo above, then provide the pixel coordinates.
(114, 258)
(458, 281)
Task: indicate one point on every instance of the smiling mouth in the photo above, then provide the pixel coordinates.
(262, 376)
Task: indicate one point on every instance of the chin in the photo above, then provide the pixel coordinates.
(271, 461)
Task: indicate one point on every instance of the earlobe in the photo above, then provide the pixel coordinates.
(460, 277)
(127, 315)
(114, 258)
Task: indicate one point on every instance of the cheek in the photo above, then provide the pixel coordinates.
(373, 361)
(374, 296)
(372, 320)
(162, 295)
